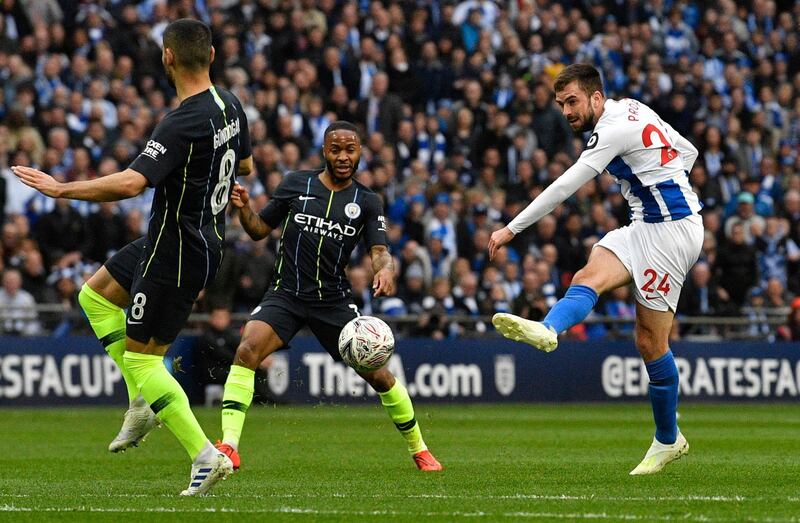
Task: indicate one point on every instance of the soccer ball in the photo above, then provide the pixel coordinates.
(366, 343)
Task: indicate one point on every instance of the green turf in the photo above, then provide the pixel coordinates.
(532, 462)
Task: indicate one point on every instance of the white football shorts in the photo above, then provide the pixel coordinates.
(658, 257)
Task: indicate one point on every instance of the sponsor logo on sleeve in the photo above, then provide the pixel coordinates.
(154, 149)
(592, 141)
(382, 223)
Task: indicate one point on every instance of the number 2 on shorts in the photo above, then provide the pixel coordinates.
(652, 276)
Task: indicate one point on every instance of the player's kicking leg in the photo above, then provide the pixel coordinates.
(103, 299)
(603, 272)
(396, 401)
(652, 337)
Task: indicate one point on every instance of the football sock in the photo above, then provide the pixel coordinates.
(570, 310)
(664, 396)
(167, 399)
(398, 404)
(108, 323)
(235, 402)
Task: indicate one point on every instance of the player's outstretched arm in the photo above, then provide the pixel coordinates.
(117, 186)
(558, 191)
(253, 224)
(383, 267)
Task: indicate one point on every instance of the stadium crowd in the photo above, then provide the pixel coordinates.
(460, 132)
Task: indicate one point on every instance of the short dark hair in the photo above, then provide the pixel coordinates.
(190, 40)
(587, 76)
(342, 124)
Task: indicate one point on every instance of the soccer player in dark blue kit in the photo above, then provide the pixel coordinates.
(322, 216)
(191, 160)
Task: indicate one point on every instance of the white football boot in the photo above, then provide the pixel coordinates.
(659, 455)
(139, 421)
(208, 469)
(526, 331)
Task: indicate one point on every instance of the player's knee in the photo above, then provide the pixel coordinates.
(381, 380)
(248, 354)
(588, 278)
(91, 302)
(648, 343)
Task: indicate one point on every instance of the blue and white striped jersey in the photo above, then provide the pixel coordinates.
(647, 157)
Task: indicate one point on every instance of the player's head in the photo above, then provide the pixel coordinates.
(342, 150)
(579, 93)
(187, 48)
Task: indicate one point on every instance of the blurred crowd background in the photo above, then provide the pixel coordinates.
(460, 133)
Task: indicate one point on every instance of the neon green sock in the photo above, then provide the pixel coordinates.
(398, 404)
(108, 323)
(167, 399)
(235, 401)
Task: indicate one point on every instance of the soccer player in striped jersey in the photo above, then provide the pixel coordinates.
(651, 163)
(191, 160)
(322, 216)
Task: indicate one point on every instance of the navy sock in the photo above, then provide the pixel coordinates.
(570, 310)
(664, 397)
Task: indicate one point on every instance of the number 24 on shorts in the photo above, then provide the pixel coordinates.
(652, 276)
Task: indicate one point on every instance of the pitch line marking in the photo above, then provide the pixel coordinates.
(317, 512)
(541, 497)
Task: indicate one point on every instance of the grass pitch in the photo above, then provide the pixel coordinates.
(336, 463)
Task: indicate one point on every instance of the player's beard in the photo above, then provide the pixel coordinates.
(588, 121)
(335, 174)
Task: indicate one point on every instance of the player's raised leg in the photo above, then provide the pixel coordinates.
(603, 272)
(103, 299)
(652, 338)
(397, 402)
(259, 340)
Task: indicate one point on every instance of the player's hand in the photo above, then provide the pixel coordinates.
(498, 239)
(239, 197)
(42, 182)
(383, 283)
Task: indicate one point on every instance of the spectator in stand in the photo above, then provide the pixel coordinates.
(413, 290)
(18, 314)
(530, 303)
(737, 265)
(467, 301)
(105, 231)
(701, 295)
(437, 307)
(759, 327)
(775, 296)
(440, 222)
(62, 234)
(34, 277)
(382, 111)
(752, 223)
